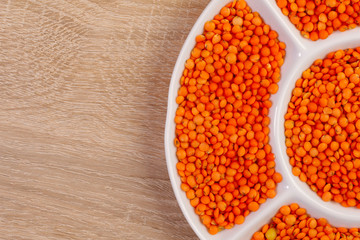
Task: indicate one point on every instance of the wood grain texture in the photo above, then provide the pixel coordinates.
(83, 92)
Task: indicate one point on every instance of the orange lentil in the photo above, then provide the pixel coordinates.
(282, 3)
(292, 222)
(209, 26)
(253, 206)
(325, 139)
(213, 229)
(327, 196)
(285, 210)
(320, 18)
(225, 162)
(258, 236)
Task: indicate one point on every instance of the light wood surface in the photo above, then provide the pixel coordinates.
(83, 94)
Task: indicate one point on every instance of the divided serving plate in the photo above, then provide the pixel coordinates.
(300, 54)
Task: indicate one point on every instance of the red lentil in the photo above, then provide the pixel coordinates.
(317, 19)
(293, 222)
(226, 164)
(323, 140)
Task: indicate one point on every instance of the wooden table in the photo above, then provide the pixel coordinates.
(83, 102)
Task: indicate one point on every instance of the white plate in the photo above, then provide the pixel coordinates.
(300, 54)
